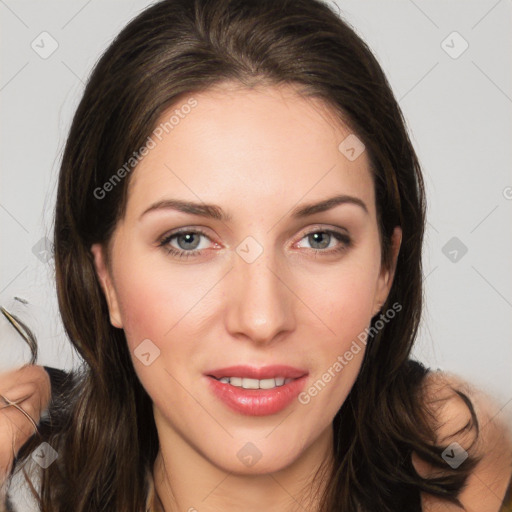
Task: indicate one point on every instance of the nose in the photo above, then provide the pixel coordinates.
(260, 305)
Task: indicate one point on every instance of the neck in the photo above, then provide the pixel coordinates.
(187, 481)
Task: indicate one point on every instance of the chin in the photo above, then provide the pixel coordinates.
(255, 455)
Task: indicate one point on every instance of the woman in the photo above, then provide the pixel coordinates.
(238, 235)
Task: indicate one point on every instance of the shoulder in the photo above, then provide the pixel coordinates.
(446, 397)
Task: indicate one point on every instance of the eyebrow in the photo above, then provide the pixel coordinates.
(215, 212)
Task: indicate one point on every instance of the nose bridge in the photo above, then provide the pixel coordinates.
(262, 307)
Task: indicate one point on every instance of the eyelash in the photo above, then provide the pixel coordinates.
(345, 240)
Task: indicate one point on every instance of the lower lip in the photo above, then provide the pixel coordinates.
(257, 402)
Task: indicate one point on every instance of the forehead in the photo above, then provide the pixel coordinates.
(263, 145)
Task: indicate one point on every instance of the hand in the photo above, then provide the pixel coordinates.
(29, 388)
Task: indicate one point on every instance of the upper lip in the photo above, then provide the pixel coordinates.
(264, 372)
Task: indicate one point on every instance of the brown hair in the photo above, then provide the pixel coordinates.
(102, 424)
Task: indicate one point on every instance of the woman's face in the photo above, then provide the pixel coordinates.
(261, 286)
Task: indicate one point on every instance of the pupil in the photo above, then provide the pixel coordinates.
(315, 237)
(188, 240)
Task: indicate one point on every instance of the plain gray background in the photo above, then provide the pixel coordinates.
(458, 110)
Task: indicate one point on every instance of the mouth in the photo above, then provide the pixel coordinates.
(276, 371)
(247, 383)
(257, 391)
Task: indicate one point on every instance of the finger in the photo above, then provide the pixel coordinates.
(15, 427)
(8, 449)
(15, 404)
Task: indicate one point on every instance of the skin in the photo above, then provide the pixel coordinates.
(251, 316)
(29, 387)
(258, 154)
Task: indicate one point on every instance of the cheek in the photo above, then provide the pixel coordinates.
(349, 307)
(160, 309)
(153, 298)
(154, 316)
(142, 310)
(345, 302)
(347, 295)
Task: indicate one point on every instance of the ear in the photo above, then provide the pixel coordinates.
(387, 274)
(106, 283)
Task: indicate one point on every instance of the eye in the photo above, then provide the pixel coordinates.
(187, 243)
(327, 241)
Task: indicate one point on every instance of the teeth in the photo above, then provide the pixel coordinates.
(250, 383)
(236, 381)
(268, 384)
(246, 383)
